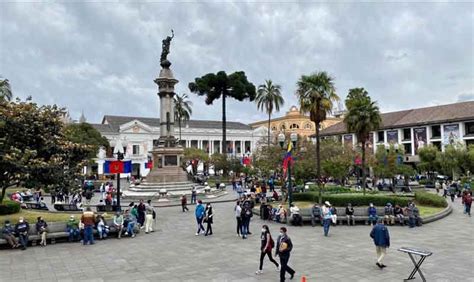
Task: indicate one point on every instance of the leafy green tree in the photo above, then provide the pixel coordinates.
(182, 109)
(268, 159)
(449, 160)
(35, 152)
(429, 160)
(336, 160)
(269, 98)
(316, 94)
(191, 154)
(221, 85)
(220, 162)
(5, 90)
(86, 134)
(363, 116)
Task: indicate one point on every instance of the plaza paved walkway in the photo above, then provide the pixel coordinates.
(174, 253)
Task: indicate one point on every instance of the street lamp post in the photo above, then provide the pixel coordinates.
(281, 140)
(119, 158)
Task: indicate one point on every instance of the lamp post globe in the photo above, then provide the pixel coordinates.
(281, 139)
(294, 138)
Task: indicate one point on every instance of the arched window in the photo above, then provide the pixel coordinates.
(308, 126)
(294, 126)
(274, 128)
(282, 126)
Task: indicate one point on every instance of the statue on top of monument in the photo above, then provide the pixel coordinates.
(166, 50)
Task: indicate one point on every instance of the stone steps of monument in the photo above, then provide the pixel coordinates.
(145, 184)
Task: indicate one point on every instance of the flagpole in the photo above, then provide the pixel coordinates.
(118, 192)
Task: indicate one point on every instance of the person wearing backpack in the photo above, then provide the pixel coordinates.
(266, 247)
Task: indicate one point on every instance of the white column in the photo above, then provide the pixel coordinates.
(441, 128)
(412, 141)
(234, 148)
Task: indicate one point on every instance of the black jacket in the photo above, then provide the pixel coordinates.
(287, 240)
(349, 211)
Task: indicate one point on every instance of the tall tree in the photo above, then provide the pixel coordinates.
(269, 98)
(316, 94)
(5, 90)
(86, 134)
(182, 110)
(363, 116)
(215, 86)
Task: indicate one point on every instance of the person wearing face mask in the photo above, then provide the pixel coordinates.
(209, 219)
(372, 211)
(21, 229)
(266, 247)
(283, 249)
(41, 228)
(8, 233)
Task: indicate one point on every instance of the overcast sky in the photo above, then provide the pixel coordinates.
(102, 58)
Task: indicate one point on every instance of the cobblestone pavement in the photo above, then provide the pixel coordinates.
(174, 253)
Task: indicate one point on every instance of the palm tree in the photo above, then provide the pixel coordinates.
(215, 86)
(363, 116)
(182, 109)
(316, 94)
(5, 90)
(269, 98)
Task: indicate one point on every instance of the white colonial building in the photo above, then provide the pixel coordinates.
(138, 134)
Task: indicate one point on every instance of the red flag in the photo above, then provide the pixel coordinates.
(116, 167)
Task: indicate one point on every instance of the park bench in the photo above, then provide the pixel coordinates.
(35, 206)
(66, 207)
(57, 231)
(107, 208)
(360, 215)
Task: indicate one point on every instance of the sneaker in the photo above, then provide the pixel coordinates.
(126, 233)
(133, 235)
(197, 234)
(258, 272)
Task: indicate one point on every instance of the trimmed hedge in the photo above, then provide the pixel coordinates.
(9, 207)
(428, 199)
(342, 200)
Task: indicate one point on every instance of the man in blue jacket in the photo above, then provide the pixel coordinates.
(199, 212)
(381, 240)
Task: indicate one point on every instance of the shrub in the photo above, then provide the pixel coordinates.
(428, 199)
(341, 200)
(9, 207)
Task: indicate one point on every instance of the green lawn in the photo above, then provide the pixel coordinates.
(31, 216)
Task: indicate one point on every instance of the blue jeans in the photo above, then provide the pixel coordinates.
(244, 230)
(327, 224)
(130, 227)
(412, 221)
(88, 235)
(73, 234)
(23, 240)
(199, 224)
(373, 219)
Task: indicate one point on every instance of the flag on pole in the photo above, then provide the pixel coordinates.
(149, 164)
(118, 167)
(288, 158)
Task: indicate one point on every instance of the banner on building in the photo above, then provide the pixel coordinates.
(451, 134)
(420, 138)
(118, 167)
(392, 137)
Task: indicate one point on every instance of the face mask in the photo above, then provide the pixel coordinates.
(21, 221)
(263, 230)
(281, 233)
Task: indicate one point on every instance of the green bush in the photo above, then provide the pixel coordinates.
(9, 207)
(428, 199)
(341, 200)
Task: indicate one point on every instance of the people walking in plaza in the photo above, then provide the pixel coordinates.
(149, 212)
(22, 229)
(118, 223)
(246, 216)
(452, 192)
(315, 215)
(467, 202)
(238, 217)
(350, 214)
(372, 211)
(266, 247)
(41, 229)
(445, 189)
(398, 213)
(283, 250)
(88, 219)
(184, 203)
(193, 195)
(141, 214)
(72, 228)
(8, 233)
(327, 218)
(381, 239)
(389, 216)
(199, 212)
(209, 219)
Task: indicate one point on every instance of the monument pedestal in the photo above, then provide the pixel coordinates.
(167, 166)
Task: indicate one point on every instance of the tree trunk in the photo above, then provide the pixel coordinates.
(318, 151)
(4, 191)
(363, 166)
(224, 140)
(179, 124)
(269, 118)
